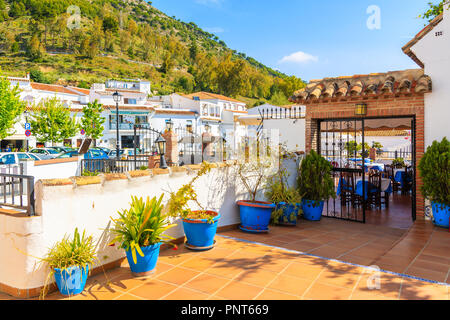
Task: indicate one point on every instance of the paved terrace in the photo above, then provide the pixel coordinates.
(272, 266)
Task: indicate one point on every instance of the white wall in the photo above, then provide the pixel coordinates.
(434, 51)
(51, 171)
(292, 132)
(62, 208)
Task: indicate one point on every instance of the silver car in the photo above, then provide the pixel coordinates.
(47, 153)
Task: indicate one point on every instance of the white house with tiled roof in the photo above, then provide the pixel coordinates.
(430, 49)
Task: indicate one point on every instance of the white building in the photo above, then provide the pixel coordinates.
(430, 49)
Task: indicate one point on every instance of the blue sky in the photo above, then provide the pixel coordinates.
(310, 39)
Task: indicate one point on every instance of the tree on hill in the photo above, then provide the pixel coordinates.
(92, 121)
(11, 106)
(51, 121)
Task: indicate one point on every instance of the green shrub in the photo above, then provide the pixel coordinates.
(314, 180)
(434, 169)
(142, 225)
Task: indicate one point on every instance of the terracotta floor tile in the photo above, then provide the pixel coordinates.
(321, 291)
(257, 277)
(153, 290)
(224, 270)
(127, 296)
(174, 257)
(178, 275)
(207, 283)
(126, 282)
(186, 294)
(303, 271)
(364, 261)
(328, 251)
(341, 279)
(101, 292)
(291, 285)
(426, 274)
(239, 291)
(269, 294)
(199, 264)
(419, 290)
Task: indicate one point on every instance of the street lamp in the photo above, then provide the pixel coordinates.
(207, 127)
(117, 97)
(161, 143)
(26, 113)
(169, 125)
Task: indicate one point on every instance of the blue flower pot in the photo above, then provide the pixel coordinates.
(441, 214)
(71, 281)
(144, 264)
(255, 216)
(199, 233)
(312, 210)
(290, 213)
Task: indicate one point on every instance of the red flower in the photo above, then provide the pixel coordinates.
(175, 247)
(112, 245)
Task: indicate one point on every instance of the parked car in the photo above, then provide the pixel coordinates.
(97, 154)
(51, 153)
(62, 149)
(112, 154)
(16, 157)
(68, 154)
(107, 150)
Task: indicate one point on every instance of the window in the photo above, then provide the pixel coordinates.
(22, 156)
(129, 101)
(141, 119)
(8, 159)
(52, 151)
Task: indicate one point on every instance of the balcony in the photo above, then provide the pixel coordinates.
(122, 126)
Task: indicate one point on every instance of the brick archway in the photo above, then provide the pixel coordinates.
(394, 94)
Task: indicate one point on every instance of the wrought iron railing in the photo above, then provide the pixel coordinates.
(17, 191)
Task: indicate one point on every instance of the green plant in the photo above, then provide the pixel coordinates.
(69, 252)
(142, 225)
(398, 163)
(178, 204)
(87, 173)
(278, 190)
(314, 180)
(143, 168)
(434, 169)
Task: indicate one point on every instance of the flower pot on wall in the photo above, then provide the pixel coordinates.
(72, 280)
(144, 265)
(200, 233)
(441, 214)
(312, 210)
(255, 215)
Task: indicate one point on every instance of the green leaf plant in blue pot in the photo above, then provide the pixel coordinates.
(140, 232)
(315, 185)
(434, 169)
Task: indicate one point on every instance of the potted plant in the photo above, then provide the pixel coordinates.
(70, 261)
(434, 170)
(287, 199)
(315, 185)
(398, 163)
(140, 231)
(200, 226)
(255, 215)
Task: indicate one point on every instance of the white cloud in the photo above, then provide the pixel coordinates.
(299, 57)
(208, 2)
(214, 30)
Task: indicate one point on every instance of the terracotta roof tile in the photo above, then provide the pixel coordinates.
(208, 96)
(51, 88)
(394, 82)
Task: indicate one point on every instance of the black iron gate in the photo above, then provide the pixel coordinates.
(190, 146)
(342, 143)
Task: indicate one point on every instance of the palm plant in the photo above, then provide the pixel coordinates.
(142, 225)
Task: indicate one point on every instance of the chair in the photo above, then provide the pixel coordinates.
(347, 188)
(374, 189)
(408, 180)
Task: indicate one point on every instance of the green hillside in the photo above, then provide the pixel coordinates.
(79, 42)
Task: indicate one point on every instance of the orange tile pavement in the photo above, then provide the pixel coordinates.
(241, 269)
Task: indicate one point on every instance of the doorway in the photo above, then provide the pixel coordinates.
(371, 186)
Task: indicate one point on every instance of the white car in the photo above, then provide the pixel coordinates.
(47, 153)
(16, 157)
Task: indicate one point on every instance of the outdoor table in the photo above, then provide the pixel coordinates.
(399, 176)
(386, 186)
(374, 166)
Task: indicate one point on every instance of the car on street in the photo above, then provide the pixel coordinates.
(16, 157)
(68, 154)
(62, 149)
(48, 152)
